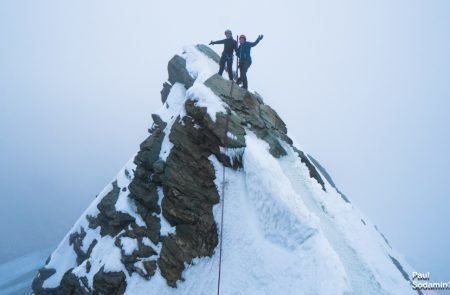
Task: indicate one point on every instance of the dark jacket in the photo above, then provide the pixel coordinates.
(243, 51)
(230, 45)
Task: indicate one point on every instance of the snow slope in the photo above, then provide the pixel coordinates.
(282, 233)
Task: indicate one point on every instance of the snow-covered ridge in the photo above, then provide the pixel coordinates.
(287, 229)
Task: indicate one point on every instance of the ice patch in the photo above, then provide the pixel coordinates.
(233, 154)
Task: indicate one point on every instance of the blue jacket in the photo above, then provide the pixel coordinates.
(243, 51)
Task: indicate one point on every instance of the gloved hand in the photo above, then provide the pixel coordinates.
(211, 43)
(260, 37)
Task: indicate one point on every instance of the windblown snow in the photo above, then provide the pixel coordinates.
(282, 233)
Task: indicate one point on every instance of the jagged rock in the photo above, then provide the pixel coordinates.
(71, 284)
(222, 88)
(312, 169)
(142, 251)
(152, 222)
(188, 168)
(189, 194)
(159, 166)
(76, 240)
(259, 98)
(165, 91)
(158, 176)
(141, 188)
(218, 127)
(158, 121)
(328, 178)
(178, 72)
(150, 267)
(146, 194)
(109, 282)
(261, 119)
(111, 222)
(271, 118)
(171, 260)
(149, 150)
(43, 274)
(276, 149)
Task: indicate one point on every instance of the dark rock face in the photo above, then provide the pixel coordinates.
(111, 222)
(189, 194)
(259, 118)
(143, 251)
(178, 72)
(43, 274)
(142, 188)
(76, 240)
(109, 282)
(71, 284)
(165, 91)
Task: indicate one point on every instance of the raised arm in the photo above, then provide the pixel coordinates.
(252, 44)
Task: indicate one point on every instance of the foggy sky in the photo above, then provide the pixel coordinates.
(363, 87)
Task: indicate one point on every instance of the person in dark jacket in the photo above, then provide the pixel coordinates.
(245, 60)
(229, 47)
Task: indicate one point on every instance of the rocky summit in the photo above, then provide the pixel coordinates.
(155, 228)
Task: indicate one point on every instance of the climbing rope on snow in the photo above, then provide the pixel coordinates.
(223, 206)
(225, 137)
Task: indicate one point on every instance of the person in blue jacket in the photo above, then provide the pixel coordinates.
(245, 60)
(229, 47)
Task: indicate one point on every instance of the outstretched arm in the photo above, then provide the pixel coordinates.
(217, 42)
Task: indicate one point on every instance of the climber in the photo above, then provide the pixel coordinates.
(229, 46)
(245, 60)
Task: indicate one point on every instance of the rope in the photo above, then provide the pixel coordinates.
(223, 207)
(225, 136)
